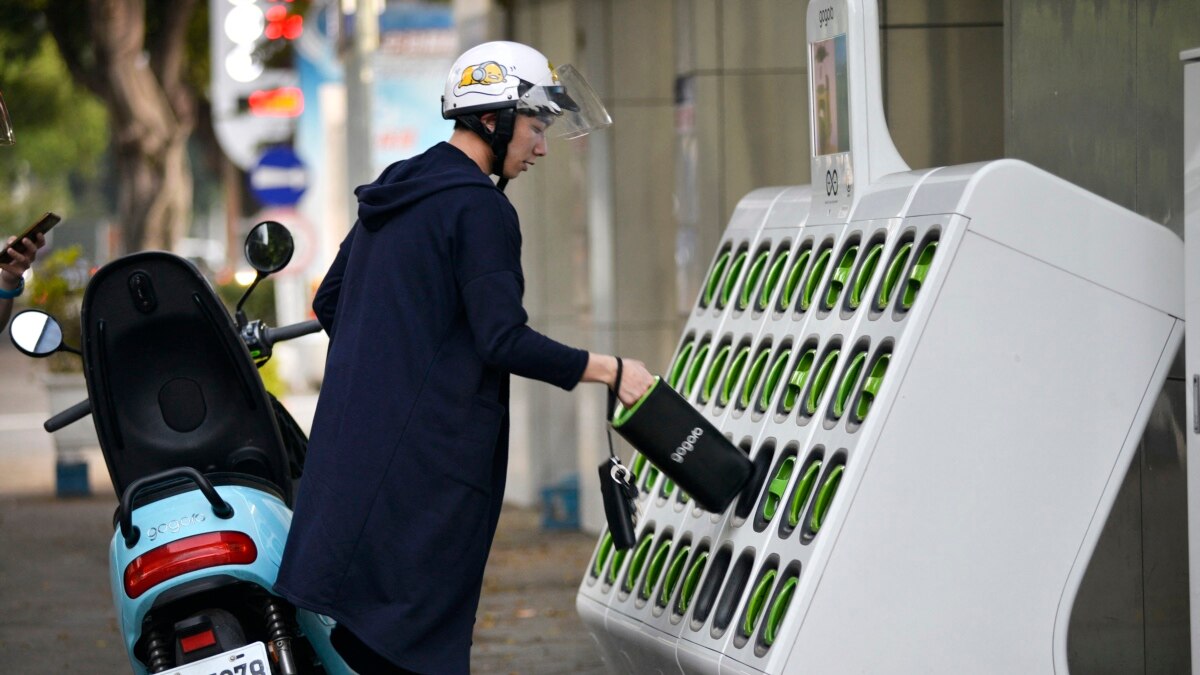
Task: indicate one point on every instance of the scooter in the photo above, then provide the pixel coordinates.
(196, 450)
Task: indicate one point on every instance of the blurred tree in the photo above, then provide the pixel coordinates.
(37, 173)
(134, 56)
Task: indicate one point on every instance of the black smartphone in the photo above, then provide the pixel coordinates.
(42, 226)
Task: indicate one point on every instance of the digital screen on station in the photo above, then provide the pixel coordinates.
(830, 97)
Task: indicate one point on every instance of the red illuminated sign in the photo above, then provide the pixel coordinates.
(282, 25)
(281, 102)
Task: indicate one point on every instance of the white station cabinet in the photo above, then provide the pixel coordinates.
(941, 376)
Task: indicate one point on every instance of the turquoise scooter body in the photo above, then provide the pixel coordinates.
(261, 515)
(204, 462)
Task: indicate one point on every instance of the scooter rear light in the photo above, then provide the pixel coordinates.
(187, 555)
(200, 640)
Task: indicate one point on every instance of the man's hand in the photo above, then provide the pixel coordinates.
(635, 379)
(21, 254)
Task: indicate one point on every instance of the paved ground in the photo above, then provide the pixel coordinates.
(56, 612)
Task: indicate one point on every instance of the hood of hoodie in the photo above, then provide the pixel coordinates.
(407, 182)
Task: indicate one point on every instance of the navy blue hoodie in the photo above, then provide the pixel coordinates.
(405, 471)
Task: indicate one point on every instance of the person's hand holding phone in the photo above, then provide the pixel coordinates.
(18, 256)
(20, 251)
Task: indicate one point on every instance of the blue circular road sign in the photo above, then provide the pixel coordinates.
(279, 178)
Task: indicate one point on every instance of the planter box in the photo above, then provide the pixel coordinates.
(76, 443)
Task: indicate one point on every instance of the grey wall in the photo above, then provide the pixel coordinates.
(1131, 615)
(1095, 95)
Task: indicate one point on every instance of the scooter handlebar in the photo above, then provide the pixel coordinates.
(69, 416)
(273, 335)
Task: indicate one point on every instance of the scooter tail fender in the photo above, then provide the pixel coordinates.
(172, 522)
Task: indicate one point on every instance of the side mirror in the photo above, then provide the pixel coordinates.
(269, 247)
(35, 333)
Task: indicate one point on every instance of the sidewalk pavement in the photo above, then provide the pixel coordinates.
(26, 451)
(56, 613)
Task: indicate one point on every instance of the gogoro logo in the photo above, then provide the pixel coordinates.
(173, 526)
(687, 445)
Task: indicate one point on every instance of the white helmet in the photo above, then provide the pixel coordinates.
(508, 75)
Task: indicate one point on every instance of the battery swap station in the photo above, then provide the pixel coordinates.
(941, 376)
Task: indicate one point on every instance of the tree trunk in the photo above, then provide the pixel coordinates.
(151, 111)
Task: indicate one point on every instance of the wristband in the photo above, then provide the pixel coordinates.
(9, 295)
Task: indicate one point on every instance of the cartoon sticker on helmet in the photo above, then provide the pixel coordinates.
(488, 78)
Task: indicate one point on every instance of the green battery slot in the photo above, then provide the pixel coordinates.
(814, 279)
(651, 477)
(680, 366)
(639, 463)
(735, 373)
(804, 489)
(657, 562)
(841, 276)
(714, 279)
(714, 374)
(735, 272)
(758, 602)
(693, 373)
(871, 387)
(793, 280)
(674, 573)
(774, 377)
(606, 548)
(777, 487)
(752, 279)
(825, 498)
(668, 487)
(795, 385)
(691, 582)
(779, 610)
(871, 261)
(615, 567)
(821, 381)
(891, 279)
(920, 270)
(849, 379)
(774, 274)
(752, 378)
(637, 562)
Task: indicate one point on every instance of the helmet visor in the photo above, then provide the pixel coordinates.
(6, 132)
(569, 103)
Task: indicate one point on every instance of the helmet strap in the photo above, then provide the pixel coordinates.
(497, 140)
(505, 121)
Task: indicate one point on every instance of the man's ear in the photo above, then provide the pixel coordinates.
(489, 121)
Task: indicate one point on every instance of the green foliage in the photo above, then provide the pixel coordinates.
(61, 132)
(272, 380)
(57, 287)
(260, 304)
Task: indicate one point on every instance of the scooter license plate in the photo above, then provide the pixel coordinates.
(248, 660)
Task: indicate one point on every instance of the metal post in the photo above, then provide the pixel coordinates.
(1191, 247)
(359, 82)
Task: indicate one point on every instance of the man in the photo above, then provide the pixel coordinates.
(21, 253)
(405, 472)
